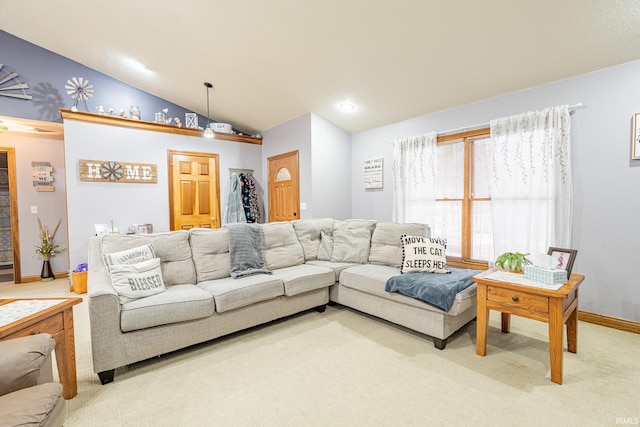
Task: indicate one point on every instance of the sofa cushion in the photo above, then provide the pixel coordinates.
(308, 232)
(372, 279)
(234, 293)
(178, 303)
(172, 247)
(281, 247)
(32, 406)
(303, 278)
(325, 247)
(351, 245)
(139, 280)
(352, 240)
(424, 254)
(386, 247)
(210, 249)
(337, 267)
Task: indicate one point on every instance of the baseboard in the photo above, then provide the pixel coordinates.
(609, 322)
(28, 279)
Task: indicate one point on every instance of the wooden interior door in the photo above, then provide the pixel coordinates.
(284, 187)
(194, 190)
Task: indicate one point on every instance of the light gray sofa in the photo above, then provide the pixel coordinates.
(312, 261)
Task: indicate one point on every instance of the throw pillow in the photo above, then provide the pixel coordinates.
(138, 280)
(424, 254)
(325, 248)
(129, 256)
(351, 245)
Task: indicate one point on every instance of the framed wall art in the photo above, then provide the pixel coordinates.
(635, 138)
(564, 257)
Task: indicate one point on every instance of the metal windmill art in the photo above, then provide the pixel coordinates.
(80, 90)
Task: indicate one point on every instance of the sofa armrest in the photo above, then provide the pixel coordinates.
(22, 359)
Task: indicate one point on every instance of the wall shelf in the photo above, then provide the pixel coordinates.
(103, 119)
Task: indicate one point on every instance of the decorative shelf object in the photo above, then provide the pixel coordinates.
(152, 126)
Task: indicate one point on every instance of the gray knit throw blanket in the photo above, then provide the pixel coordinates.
(245, 250)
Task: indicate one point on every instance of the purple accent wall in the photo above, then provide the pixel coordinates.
(46, 73)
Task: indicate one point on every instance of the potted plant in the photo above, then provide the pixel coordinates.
(512, 261)
(46, 249)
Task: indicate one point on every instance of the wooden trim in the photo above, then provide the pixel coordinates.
(462, 135)
(13, 211)
(102, 119)
(609, 322)
(31, 279)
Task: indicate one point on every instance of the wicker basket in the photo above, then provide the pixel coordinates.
(79, 281)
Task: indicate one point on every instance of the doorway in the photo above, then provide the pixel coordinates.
(194, 190)
(9, 237)
(284, 187)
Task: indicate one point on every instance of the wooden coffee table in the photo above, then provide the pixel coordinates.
(22, 317)
(553, 306)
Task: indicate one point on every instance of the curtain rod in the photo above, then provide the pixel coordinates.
(486, 124)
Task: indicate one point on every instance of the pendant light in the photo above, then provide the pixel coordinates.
(208, 132)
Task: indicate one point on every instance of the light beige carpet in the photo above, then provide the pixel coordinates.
(343, 368)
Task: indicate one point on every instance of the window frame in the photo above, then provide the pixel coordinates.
(465, 260)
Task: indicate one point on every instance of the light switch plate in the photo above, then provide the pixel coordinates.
(34, 209)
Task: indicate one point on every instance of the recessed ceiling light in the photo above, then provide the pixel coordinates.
(346, 106)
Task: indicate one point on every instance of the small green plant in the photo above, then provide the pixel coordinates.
(512, 261)
(47, 247)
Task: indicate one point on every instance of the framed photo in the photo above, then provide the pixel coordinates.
(101, 229)
(635, 142)
(565, 258)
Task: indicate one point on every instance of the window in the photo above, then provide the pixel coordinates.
(463, 203)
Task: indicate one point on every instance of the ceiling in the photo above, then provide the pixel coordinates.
(272, 61)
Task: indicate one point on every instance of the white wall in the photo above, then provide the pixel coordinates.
(606, 203)
(331, 170)
(51, 206)
(92, 203)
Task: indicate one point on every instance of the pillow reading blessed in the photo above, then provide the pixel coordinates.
(139, 280)
(424, 254)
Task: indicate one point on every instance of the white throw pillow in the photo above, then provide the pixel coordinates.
(351, 245)
(426, 254)
(139, 280)
(129, 256)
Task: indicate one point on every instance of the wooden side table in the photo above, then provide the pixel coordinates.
(555, 307)
(57, 320)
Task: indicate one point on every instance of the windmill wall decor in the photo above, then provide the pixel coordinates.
(11, 87)
(80, 90)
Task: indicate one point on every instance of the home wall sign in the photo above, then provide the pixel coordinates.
(373, 173)
(115, 171)
(42, 174)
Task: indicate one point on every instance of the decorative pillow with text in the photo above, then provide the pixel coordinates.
(139, 280)
(426, 254)
(129, 256)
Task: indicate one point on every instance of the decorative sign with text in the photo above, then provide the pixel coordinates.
(373, 173)
(42, 174)
(112, 171)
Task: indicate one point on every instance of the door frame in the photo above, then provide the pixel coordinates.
(170, 154)
(13, 211)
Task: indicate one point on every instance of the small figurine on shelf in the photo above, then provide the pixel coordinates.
(122, 114)
(111, 111)
(134, 113)
(100, 109)
(178, 122)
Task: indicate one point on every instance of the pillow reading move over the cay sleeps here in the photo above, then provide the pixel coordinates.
(424, 254)
(129, 256)
(133, 281)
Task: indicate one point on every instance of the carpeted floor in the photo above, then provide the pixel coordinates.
(343, 368)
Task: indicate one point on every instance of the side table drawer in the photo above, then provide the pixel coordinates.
(52, 325)
(518, 299)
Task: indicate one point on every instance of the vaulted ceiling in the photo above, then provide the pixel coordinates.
(271, 61)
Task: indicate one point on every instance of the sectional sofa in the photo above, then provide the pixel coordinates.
(311, 263)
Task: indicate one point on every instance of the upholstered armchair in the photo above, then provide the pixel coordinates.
(27, 394)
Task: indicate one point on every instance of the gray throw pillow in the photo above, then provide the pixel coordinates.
(325, 249)
(351, 245)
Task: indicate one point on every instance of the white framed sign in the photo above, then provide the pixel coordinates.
(373, 173)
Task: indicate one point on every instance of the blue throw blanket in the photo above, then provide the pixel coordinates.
(438, 290)
(245, 250)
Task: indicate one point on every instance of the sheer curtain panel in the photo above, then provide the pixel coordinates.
(531, 187)
(414, 179)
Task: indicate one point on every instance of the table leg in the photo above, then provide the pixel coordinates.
(66, 356)
(506, 322)
(572, 332)
(482, 319)
(556, 329)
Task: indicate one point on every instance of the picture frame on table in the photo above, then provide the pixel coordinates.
(565, 257)
(635, 138)
(101, 229)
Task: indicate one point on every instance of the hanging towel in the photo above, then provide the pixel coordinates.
(234, 211)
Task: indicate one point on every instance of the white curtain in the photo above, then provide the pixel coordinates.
(414, 179)
(531, 187)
